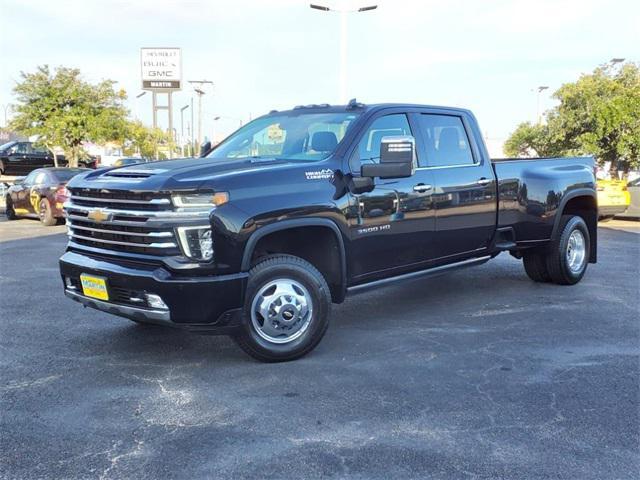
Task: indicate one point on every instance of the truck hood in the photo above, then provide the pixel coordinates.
(174, 175)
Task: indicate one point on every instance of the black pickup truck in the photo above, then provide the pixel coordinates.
(298, 209)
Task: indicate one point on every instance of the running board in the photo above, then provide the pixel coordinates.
(430, 272)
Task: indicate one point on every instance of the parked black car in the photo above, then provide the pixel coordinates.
(21, 158)
(300, 208)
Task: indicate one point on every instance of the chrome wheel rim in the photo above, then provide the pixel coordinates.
(576, 251)
(281, 311)
(43, 210)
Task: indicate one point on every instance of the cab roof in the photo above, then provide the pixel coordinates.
(355, 106)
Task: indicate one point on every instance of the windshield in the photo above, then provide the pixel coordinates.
(4, 146)
(64, 175)
(296, 136)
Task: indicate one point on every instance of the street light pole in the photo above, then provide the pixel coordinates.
(140, 95)
(182, 128)
(540, 89)
(343, 41)
(200, 92)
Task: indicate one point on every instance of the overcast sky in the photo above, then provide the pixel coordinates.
(484, 55)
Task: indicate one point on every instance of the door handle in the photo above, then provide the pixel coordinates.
(421, 188)
(484, 181)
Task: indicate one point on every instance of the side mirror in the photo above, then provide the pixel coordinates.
(205, 149)
(18, 180)
(397, 158)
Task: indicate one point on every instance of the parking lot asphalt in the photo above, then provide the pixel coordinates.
(478, 374)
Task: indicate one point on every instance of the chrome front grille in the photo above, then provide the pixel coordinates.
(122, 221)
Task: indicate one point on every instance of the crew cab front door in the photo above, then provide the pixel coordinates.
(18, 159)
(464, 194)
(391, 226)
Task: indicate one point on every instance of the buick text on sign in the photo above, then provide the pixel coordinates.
(161, 68)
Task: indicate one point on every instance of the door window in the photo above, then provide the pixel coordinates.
(31, 178)
(39, 150)
(446, 141)
(21, 148)
(40, 178)
(368, 150)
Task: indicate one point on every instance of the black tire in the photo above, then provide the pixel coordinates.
(45, 213)
(1, 168)
(535, 264)
(285, 268)
(9, 211)
(557, 263)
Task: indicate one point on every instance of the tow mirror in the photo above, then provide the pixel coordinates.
(397, 158)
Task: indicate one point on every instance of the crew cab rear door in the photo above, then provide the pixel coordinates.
(465, 191)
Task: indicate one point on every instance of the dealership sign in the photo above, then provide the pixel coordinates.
(161, 68)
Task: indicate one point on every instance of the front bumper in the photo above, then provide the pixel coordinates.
(209, 304)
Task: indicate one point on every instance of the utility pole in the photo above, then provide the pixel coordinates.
(198, 89)
(343, 41)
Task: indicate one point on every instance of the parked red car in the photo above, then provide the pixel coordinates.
(40, 194)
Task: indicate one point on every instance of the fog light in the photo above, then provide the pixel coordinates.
(197, 242)
(69, 284)
(155, 301)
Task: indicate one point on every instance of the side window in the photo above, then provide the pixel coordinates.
(39, 150)
(368, 150)
(31, 178)
(22, 148)
(446, 141)
(40, 178)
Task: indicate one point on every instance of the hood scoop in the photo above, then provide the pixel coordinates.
(134, 173)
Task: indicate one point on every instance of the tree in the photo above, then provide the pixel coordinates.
(532, 140)
(65, 111)
(597, 115)
(147, 142)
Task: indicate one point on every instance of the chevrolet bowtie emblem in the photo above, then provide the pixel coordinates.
(99, 216)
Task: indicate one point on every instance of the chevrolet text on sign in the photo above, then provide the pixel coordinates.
(161, 68)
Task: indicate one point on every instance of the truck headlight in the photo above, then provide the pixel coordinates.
(196, 242)
(200, 200)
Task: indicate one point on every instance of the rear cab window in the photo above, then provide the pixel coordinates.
(446, 141)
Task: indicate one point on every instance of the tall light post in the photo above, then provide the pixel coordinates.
(138, 97)
(182, 128)
(198, 89)
(613, 62)
(343, 41)
(540, 89)
(7, 108)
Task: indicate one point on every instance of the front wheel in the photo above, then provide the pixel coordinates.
(9, 210)
(286, 310)
(46, 213)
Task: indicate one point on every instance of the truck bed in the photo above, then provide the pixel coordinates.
(531, 190)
